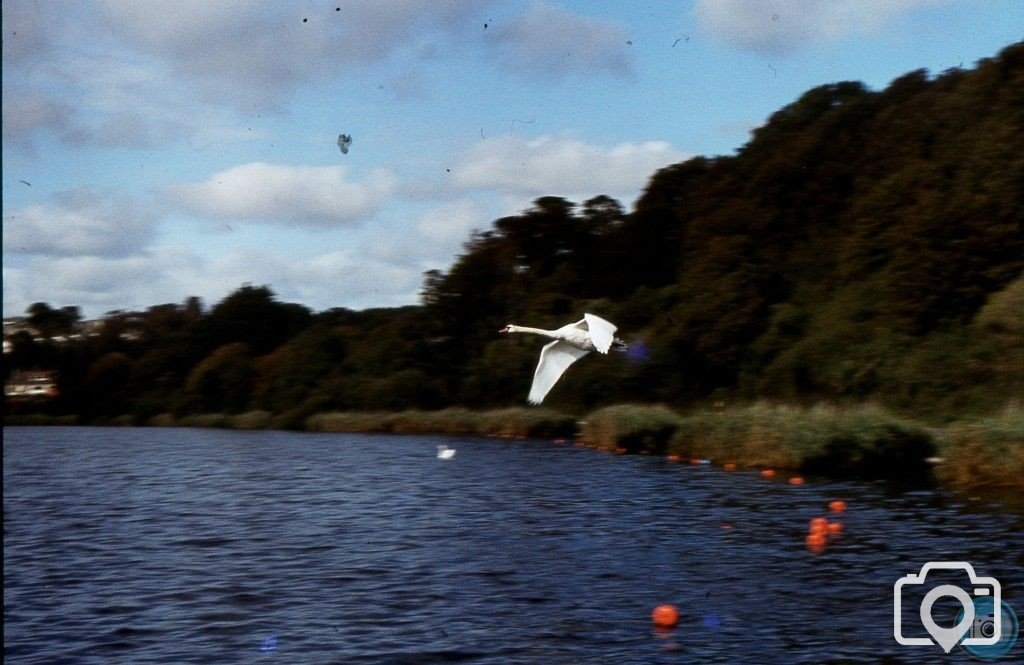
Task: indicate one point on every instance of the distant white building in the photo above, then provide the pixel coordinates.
(31, 384)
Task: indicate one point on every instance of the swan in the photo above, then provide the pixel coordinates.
(572, 342)
(444, 452)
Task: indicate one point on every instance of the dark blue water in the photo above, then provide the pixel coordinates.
(199, 546)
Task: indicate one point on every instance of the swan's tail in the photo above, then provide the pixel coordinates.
(619, 345)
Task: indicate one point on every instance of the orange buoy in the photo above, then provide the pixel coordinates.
(819, 525)
(837, 506)
(835, 528)
(672, 458)
(816, 542)
(729, 466)
(796, 480)
(727, 526)
(768, 473)
(665, 616)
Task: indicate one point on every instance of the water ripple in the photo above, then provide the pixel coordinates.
(193, 546)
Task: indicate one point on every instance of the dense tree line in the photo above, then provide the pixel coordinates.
(861, 246)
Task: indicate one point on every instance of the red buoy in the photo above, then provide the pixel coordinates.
(665, 616)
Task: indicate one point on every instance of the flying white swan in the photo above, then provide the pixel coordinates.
(572, 342)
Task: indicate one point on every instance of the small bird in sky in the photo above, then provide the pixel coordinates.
(344, 141)
(25, 182)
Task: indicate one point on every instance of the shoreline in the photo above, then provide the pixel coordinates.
(971, 456)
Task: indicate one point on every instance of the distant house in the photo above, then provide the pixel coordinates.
(31, 385)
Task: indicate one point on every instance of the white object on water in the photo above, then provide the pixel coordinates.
(444, 452)
(572, 342)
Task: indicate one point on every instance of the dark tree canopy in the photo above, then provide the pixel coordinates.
(862, 245)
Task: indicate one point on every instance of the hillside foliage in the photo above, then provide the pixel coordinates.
(862, 246)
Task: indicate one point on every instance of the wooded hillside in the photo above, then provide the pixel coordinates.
(864, 245)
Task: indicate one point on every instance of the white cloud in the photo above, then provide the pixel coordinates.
(552, 41)
(171, 274)
(250, 51)
(562, 166)
(27, 31)
(100, 284)
(306, 196)
(91, 93)
(449, 225)
(432, 240)
(26, 112)
(80, 222)
(381, 267)
(351, 279)
(780, 27)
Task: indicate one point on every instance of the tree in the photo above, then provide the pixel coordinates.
(53, 322)
(252, 315)
(222, 381)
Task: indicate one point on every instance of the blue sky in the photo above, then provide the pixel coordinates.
(185, 148)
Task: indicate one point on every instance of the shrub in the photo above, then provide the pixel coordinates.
(209, 420)
(518, 421)
(637, 428)
(865, 441)
(163, 420)
(249, 420)
(987, 453)
(349, 421)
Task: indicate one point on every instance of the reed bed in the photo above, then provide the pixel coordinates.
(848, 442)
(865, 441)
(38, 420)
(987, 453)
(637, 428)
(453, 421)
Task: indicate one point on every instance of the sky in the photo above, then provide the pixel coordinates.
(154, 151)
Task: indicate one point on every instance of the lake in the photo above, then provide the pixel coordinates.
(210, 546)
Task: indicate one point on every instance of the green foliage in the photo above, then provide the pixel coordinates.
(518, 422)
(203, 420)
(866, 441)
(862, 246)
(222, 380)
(252, 315)
(525, 422)
(53, 322)
(106, 384)
(39, 420)
(250, 420)
(987, 453)
(637, 428)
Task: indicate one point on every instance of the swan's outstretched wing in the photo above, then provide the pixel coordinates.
(555, 358)
(602, 332)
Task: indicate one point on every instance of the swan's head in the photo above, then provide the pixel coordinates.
(507, 329)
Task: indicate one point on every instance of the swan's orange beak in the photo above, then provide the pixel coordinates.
(504, 330)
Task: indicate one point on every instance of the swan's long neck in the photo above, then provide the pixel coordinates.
(535, 331)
